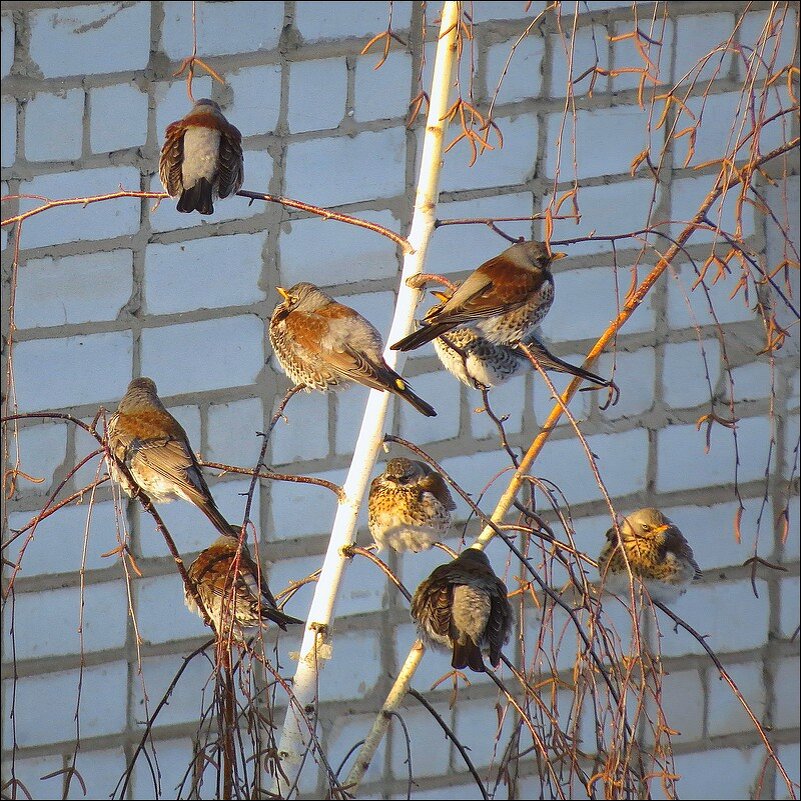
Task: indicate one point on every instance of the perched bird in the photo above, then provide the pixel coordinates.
(201, 158)
(503, 299)
(154, 447)
(478, 363)
(657, 554)
(462, 606)
(322, 344)
(226, 589)
(409, 506)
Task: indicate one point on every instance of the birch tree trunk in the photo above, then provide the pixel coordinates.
(317, 642)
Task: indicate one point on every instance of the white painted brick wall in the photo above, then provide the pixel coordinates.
(130, 287)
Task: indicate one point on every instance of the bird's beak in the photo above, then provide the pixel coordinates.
(441, 296)
(660, 529)
(282, 292)
(556, 256)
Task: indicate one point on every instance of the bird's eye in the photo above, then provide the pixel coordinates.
(645, 526)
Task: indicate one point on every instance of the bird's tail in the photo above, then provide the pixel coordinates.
(467, 654)
(550, 362)
(278, 617)
(400, 387)
(197, 198)
(209, 508)
(424, 334)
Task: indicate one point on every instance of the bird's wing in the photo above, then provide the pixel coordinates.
(435, 484)
(231, 162)
(172, 156)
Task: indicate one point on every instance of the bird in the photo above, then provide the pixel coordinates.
(224, 588)
(657, 553)
(503, 299)
(409, 506)
(321, 344)
(462, 606)
(478, 363)
(201, 158)
(154, 447)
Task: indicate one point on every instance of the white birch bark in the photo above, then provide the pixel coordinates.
(317, 642)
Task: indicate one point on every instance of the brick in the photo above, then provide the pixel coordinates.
(363, 590)
(634, 373)
(175, 758)
(257, 98)
(510, 165)
(544, 401)
(710, 531)
(597, 286)
(318, 20)
(477, 727)
(724, 631)
(237, 27)
(284, 572)
(725, 712)
(351, 648)
(73, 289)
(682, 462)
(751, 382)
(624, 129)
(785, 682)
(790, 611)
(30, 772)
(584, 45)
(53, 696)
(681, 698)
(351, 405)
(8, 35)
(90, 39)
(602, 209)
(258, 173)
(182, 276)
(232, 428)
(232, 354)
(734, 775)
(59, 373)
(118, 117)
(307, 414)
(442, 391)
(690, 373)
(790, 442)
(464, 247)
(381, 93)
(287, 497)
(523, 78)
(505, 10)
(473, 471)
(790, 756)
(46, 113)
(320, 170)
(8, 140)
(340, 254)
(507, 400)
(688, 306)
(346, 732)
(317, 94)
(772, 35)
(627, 56)
(790, 549)
(688, 194)
(42, 450)
(696, 36)
(102, 220)
(61, 613)
(430, 747)
(154, 597)
(100, 770)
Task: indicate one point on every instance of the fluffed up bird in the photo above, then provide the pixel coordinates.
(503, 299)
(409, 507)
(657, 553)
(236, 597)
(322, 344)
(154, 447)
(201, 158)
(462, 607)
(478, 363)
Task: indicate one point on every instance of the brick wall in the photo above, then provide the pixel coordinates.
(122, 288)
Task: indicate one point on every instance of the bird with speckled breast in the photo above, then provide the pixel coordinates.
(503, 299)
(324, 345)
(463, 607)
(657, 554)
(409, 507)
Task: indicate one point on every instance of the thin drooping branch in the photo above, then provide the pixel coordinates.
(293, 743)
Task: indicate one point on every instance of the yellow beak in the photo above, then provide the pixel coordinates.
(282, 292)
(660, 529)
(556, 256)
